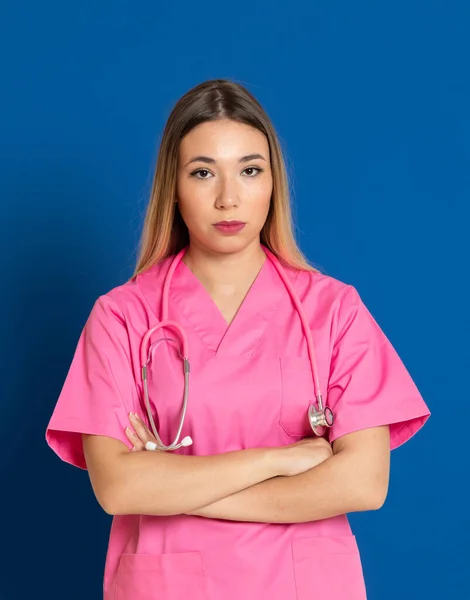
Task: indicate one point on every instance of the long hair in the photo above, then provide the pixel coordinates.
(164, 231)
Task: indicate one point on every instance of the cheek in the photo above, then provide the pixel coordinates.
(260, 202)
(262, 210)
(191, 213)
(190, 203)
(197, 215)
(265, 190)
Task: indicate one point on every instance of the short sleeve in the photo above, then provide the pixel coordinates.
(99, 390)
(369, 385)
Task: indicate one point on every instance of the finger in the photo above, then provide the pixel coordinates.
(143, 432)
(134, 439)
(140, 427)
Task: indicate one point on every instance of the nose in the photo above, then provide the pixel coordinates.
(227, 195)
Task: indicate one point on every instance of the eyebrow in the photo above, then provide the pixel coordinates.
(212, 161)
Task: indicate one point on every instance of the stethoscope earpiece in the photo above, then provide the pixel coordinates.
(186, 441)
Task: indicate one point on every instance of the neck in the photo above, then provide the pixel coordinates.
(225, 272)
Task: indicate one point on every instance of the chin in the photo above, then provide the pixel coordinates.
(229, 244)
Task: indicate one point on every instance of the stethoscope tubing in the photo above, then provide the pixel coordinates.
(146, 355)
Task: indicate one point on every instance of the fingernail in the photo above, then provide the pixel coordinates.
(128, 430)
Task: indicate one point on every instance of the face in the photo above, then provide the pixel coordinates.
(224, 176)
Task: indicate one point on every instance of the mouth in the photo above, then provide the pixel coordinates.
(229, 227)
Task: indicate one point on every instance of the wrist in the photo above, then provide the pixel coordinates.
(270, 462)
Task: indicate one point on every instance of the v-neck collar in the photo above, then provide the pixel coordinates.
(248, 325)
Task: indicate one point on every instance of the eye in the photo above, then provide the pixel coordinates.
(194, 173)
(258, 169)
(200, 171)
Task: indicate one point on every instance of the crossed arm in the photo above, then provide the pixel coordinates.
(355, 478)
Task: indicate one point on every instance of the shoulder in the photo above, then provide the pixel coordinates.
(138, 297)
(322, 289)
(329, 303)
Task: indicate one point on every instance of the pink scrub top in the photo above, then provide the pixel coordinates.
(250, 387)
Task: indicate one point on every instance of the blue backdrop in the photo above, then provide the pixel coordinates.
(370, 100)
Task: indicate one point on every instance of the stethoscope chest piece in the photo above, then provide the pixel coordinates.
(320, 418)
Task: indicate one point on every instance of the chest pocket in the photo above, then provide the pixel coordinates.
(298, 392)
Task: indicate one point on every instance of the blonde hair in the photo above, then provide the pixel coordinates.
(164, 231)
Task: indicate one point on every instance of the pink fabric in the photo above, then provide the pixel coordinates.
(250, 387)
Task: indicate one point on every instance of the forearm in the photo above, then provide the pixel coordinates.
(332, 488)
(161, 483)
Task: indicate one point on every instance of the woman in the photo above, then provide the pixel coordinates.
(257, 504)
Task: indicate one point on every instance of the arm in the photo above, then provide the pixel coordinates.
(131, 482)
(354, 479)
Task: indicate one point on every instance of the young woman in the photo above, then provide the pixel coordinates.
(257, 504)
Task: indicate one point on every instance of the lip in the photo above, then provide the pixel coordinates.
(229, 226)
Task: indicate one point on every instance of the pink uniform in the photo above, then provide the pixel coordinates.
(251, 386)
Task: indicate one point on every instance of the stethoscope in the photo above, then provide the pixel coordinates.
(319, 418)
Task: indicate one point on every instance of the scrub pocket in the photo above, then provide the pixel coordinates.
(328, 568)
(161, 577)
(297, 393)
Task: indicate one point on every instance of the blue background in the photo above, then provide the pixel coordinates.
(370, 100)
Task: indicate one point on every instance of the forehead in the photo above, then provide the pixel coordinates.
(223, 139)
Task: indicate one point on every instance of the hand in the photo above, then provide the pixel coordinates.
(141, 434)
(303, 455)
(292, 459)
